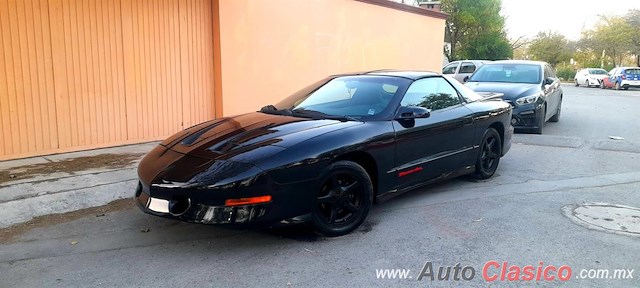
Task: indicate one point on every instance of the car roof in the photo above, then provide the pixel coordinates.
(411, 74)
(475, 61)
(408, 74)
(517, 62)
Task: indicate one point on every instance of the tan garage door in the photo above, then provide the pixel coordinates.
(81, 74)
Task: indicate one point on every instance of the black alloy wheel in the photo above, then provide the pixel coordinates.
(344, 199)
(489, 154)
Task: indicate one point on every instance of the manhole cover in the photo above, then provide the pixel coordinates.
(614, 218)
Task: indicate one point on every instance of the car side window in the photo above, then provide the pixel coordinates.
(548, 72)
(450, 69)
(432, 93)
(467, 67)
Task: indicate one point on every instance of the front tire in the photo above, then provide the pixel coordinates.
(602, 85)
(489, 154)
(556, 117)
(576, 82)
(586, 83)
(343, 199)
(541, 121)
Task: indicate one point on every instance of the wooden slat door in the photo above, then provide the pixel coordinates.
(82, 74)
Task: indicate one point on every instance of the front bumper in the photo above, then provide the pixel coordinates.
(594, 81)
(527, 116)
(208, 206)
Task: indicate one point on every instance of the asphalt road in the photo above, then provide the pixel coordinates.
(516, 217)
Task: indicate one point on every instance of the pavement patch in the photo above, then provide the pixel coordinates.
(69, 166)
(622, 146)
(548, 140)
(613, 218)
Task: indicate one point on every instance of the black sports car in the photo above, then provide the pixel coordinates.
(327, 152)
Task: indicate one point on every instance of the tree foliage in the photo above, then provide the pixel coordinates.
(613, 35)
(475, 30)
(633, 19)
(550, 47)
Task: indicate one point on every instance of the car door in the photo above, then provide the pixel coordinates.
(465, 71)
(551, 91)
(428, 147)
(613, 76)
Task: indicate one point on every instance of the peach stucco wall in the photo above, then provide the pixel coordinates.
(269, 49)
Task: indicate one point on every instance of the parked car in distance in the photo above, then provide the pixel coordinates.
(531, 87)
(590, 77)
(326, 152)
(622, 78)
(461, 70)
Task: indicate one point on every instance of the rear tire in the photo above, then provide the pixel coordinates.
(618, 86)
(343, 199)
(576, 82)
(489, 155)
(586, 83)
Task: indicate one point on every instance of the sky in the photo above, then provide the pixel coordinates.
(568, 17)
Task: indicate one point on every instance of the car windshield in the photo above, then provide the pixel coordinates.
(507, 72)
(353, 96)
(597, 71)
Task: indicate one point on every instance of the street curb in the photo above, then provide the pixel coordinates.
(23, 210)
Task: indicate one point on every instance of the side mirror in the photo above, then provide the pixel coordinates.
(412, 112)
(466, 78)
(548, 81)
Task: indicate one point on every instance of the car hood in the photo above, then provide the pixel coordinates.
(510, 91)
(249, 137)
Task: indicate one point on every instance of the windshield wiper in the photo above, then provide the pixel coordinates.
(301, 112)
(319, 115)
(270, 109)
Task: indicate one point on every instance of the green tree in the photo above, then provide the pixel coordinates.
(475, 29)
(550, 47)
(613, 35)
(633, 19)
(492, 45)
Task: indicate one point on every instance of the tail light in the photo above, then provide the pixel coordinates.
(623, 77)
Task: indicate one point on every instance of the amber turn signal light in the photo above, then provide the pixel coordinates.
(247, 201)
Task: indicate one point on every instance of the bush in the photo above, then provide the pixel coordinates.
(565, 73)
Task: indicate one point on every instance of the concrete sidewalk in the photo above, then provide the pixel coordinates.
(67, 182)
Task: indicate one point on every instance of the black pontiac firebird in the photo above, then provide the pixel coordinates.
(327, 152)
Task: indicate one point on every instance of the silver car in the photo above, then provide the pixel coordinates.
(462, 70)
